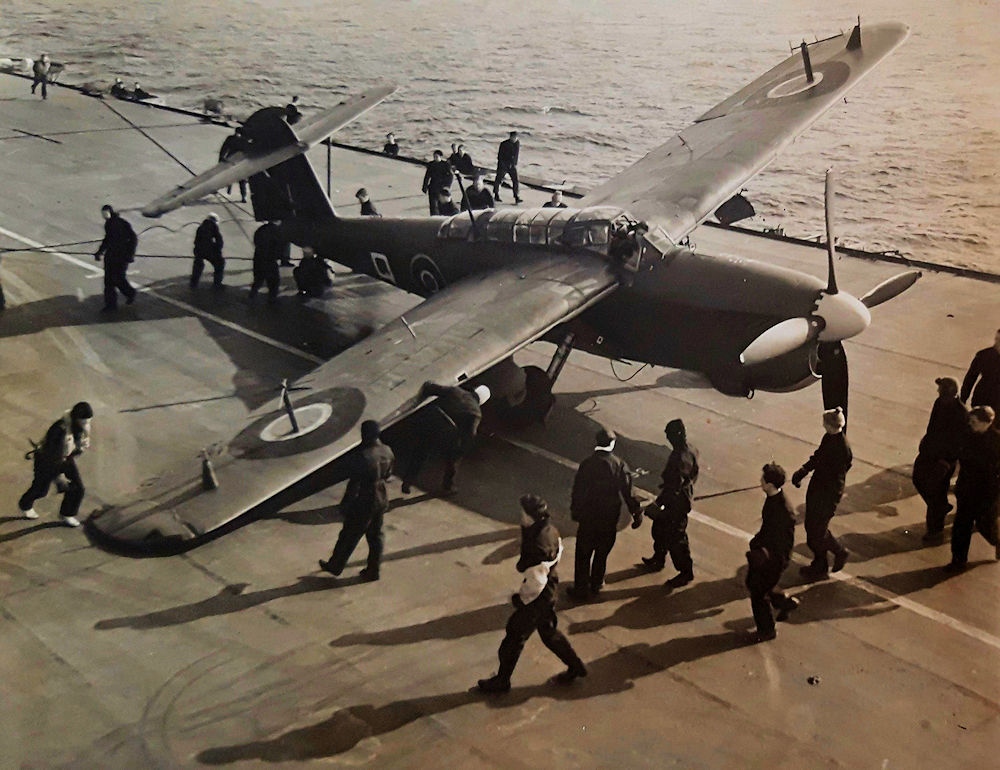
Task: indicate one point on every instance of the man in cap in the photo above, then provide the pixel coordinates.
(829, 465)
(391, 148)
(985, 368)
(770, 551)
(535, 601)
(977, 491)
(507, 156)
(453, 419)
(937, 455)
(446, 206)
(208, 248)
(234, 143)
(602, 483)
(364, 503)
(268, 246)
(437, 177)
(118, 249)
(55, 461)
(41, 72)
(670, 510)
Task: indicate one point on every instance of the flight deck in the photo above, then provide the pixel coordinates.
(240, 653)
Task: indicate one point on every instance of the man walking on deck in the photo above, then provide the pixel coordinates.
(535, 601)
(437, 177)
(267, 249)
(364, 504)
(829, 465)
(55, 461)
(118, 249)
(41, 71)
(977, 491)
(601, 484)
(769, 554)
(670, 510)
(507, 156)
(938, 454)
(208, 248)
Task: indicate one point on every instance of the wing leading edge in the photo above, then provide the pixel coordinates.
(681, 182)
(452, 336)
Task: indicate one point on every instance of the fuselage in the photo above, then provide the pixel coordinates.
(678, 308)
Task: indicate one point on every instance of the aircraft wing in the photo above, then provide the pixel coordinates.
(452, 336)
(244, 165)
(680, 183)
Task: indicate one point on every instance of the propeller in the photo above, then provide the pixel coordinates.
(837, 315)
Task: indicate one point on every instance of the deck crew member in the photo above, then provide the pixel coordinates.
(55, 461)
(118, 250)
(555, 202)
(292, 113)
(119, 91)
(601, 484)
(41, 70)
(977, 491)
(390, 147)
(461, 161)
(478, 196)
(446, 206)
(507, 156)
(235, 142)
(985, 368)
(437, 177)
(312, 276)
(367, 207)
(829, 465)
(459, 413)
(208, 248)
(670, 510)
(364, 503)
(535, 601)
(937, 455)
(268, 246)
(769, 554)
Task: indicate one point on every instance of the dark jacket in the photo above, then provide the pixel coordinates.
(979, 468)
(119, 242)
(602, 482)
(777, 530)
(539, 544)
(370, 467)
(477, 199)
(508, 152)
(63, 439)
(447, 208)
(677, 480)
(462, 163)
(554, 205)
(368, 209)
(268, 246)
(458, 403)
(208, 240)
(946, 428)
(391, 149)
(986, 368)
(234, 143)
(437, 177)
(829, 464)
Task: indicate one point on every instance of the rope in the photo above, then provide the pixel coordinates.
(626, 379)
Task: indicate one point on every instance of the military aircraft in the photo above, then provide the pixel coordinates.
(609, 276)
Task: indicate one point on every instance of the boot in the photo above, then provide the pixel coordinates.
(570, 675)
(495, 684)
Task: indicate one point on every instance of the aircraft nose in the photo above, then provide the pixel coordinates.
(844, 316)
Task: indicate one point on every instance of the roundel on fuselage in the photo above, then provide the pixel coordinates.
(426, 275)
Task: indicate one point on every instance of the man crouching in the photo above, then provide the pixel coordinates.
(535, 602)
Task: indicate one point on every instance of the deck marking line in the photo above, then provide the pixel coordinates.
(42, 248)
(900, 601)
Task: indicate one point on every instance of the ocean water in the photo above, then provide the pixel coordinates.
(591, 87)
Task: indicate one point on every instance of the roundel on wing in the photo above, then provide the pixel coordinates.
(426, 276)
(828, 76)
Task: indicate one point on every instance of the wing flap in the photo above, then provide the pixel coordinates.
(681, 182)
(450, 337)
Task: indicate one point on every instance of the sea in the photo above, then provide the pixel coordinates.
(591, 87)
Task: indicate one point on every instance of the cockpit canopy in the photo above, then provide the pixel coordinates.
(606, 230)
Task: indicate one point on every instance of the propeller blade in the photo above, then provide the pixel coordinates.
(890, 288)
(833, 369)
(781, 338)
(831, 280)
